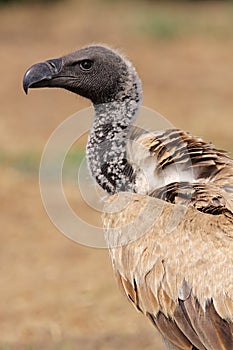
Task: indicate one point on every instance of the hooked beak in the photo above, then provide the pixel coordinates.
(42, 74)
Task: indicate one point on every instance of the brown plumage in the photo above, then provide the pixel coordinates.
(169, 218)
(178, 269)
(180, 278)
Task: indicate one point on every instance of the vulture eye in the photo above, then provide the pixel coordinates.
(86, 65)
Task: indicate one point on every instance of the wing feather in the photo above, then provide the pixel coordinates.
(174, 155)
(182, 280)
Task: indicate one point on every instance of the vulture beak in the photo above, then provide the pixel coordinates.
(41, 74)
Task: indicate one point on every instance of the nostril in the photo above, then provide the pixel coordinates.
(52, 64)
(55, 65)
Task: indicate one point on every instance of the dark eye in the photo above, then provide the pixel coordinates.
(86, 64)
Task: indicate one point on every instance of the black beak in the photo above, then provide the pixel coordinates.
(41, 74)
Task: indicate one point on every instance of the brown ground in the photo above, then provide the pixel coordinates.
(56, 294)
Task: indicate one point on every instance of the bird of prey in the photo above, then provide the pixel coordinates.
(182, 278)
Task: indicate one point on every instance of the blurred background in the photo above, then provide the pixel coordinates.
(54, 293)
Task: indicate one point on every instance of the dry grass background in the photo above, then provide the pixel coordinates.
(55, 294)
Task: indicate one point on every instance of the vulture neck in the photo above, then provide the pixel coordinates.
(107, 142)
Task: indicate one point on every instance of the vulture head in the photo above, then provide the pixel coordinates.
(95, 72)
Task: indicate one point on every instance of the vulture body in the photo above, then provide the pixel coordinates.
(169, 215)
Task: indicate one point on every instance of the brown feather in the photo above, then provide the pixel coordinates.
(178, 154)
(182, 280)
(170, 330)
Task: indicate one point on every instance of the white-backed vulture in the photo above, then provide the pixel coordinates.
(170, 224)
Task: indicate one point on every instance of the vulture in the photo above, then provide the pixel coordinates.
(169, 217)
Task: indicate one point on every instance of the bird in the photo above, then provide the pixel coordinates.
(180, 278)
